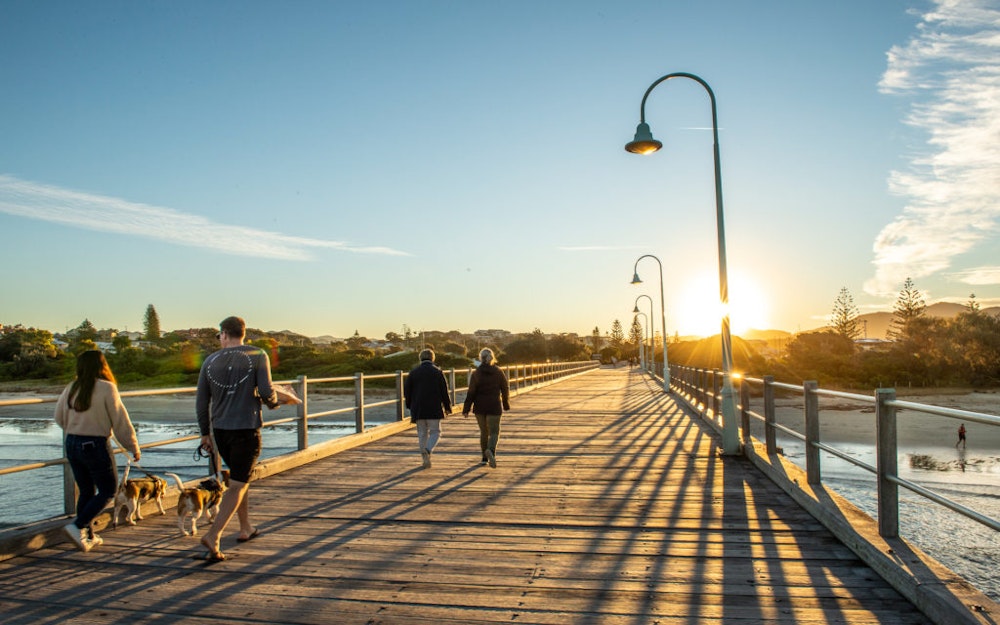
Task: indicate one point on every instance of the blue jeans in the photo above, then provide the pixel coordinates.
(95, 474)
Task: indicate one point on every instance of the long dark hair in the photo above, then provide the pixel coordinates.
(90, 366)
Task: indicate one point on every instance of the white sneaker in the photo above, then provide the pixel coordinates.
(78, 537)
(95, 540)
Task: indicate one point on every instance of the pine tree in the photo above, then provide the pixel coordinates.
(845, 315)
(596, 340)
(617, 335)
(909, 305)
(151, 324)
(635, 332)
(972, 306)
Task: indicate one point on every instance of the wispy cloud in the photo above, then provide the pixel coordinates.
(951, 69)
(595, 248)
(110, 214)
(979, 276)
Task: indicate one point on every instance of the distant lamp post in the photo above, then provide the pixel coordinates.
(649, 327)
(642, 342)
(644, 143)
(663, 318)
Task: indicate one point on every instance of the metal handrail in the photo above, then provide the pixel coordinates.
(522, 378)
(698, 387)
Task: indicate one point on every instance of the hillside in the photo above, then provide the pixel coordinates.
(876, 325)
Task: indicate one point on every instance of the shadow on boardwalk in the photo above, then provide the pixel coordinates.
(609, 504)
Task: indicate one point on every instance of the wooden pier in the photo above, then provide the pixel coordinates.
(610, 504)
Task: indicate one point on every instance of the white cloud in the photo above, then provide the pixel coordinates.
(109, 214)
(980, 276)
(951, 69)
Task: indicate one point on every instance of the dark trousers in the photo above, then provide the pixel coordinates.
(95, 474)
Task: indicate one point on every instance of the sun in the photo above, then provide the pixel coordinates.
(695, 308)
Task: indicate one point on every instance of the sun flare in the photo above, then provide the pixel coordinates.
(696, 309)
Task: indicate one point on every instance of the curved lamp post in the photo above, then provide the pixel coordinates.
(649, 327)
(642, 345)
(644, 143)
(663, 318)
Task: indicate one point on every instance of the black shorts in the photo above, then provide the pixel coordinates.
(239, 450)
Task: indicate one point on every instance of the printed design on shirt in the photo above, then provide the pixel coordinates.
(223, 367)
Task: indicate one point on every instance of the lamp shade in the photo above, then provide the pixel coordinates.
(644, 143)
(635, 309)
(635, 278)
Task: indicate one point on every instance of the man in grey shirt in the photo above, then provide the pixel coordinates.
(233, 384)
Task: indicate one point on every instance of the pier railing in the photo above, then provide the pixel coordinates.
(521, 378)
(701, 389)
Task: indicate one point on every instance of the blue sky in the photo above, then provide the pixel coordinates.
(326, 167)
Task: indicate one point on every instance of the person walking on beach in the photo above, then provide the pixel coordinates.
(233, 383)
(488, 396)
(88, 411)
(961, 436)
(428, 400)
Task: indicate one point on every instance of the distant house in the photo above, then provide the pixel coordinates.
(106, 346)
(868, 345)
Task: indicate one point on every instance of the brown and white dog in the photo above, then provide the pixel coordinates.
(133, 492)
(203, 498)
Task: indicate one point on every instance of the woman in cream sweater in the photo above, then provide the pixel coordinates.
(88, 411)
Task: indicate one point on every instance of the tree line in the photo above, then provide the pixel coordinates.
(923, 351)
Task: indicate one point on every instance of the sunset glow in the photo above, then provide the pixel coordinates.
(697, 311)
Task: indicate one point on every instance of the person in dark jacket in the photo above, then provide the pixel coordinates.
(488, 397)
(426, 394)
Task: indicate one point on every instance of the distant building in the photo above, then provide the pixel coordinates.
(492, 335)
(868, 345)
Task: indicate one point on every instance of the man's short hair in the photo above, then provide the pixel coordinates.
(233, 327)
(427, 354)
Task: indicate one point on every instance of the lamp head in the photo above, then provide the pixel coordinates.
(635, 278)
(644, 143)
(635, 309)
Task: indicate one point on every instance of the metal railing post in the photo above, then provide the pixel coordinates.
(769, 416)
(813, 473)
(400, 398)
(359, 402)
(885, 464)
(302, 412)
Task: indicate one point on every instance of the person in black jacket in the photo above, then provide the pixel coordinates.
(488, 397)
(426, 395)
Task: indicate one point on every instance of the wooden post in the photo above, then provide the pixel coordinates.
(769, 416)
(400, 399)
(69, 488)
(744, 390)
(451, 385)
(716, 396)
(885, 464)
(813, 473)
(359, 402)
(302, 412)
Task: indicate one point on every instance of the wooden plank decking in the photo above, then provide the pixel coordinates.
(609, 505)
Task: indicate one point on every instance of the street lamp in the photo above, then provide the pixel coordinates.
(663, 317)
(644, 143)
(635, 309)
(642, 344)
